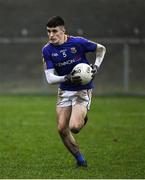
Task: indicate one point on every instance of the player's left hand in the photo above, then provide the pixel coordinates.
(95, 69)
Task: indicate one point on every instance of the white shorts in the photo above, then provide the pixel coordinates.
(71, 98)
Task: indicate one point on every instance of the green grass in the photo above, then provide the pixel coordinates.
(113, 141)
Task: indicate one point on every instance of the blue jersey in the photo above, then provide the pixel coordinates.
(64, 57)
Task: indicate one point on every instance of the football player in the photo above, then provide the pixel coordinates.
(60, 55)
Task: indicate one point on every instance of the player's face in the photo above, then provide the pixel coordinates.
(56, 35)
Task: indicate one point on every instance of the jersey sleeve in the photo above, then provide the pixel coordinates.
(47, 59)
(87, 45)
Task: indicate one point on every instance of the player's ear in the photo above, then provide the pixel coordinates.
(63, 29)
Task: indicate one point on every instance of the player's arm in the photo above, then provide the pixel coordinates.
(50, 73)
(100, 53)
(90, 46)
(52, 78)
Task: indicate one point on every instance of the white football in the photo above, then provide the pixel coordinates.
(84, 71)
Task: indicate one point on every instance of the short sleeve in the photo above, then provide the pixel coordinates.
(47, 59)
(87, 45)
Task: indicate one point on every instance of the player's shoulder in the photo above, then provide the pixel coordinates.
(46, 47)
(83, 41)
(77, 38)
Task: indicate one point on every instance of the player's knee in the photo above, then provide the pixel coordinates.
(74, 129)
(75, 126)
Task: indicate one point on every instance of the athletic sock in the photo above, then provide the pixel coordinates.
(79, 157)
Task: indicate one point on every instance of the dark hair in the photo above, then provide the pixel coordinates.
(55, 21)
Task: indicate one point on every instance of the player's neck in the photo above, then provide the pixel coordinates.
(63, 40)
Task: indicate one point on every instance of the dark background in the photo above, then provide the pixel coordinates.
(109, 18)
(23, 34)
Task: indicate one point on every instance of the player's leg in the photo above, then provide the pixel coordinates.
(80, 106)
(85, 119)
(78, 116)
(76, 123)
(63, 117)
(64, 111)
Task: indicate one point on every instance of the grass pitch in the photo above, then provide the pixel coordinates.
(113, 141)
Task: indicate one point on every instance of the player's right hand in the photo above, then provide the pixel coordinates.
(94, 70)
(70, 78)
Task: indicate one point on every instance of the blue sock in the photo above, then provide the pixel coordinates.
(79, 157)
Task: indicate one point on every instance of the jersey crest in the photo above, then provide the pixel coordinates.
(73, 50)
